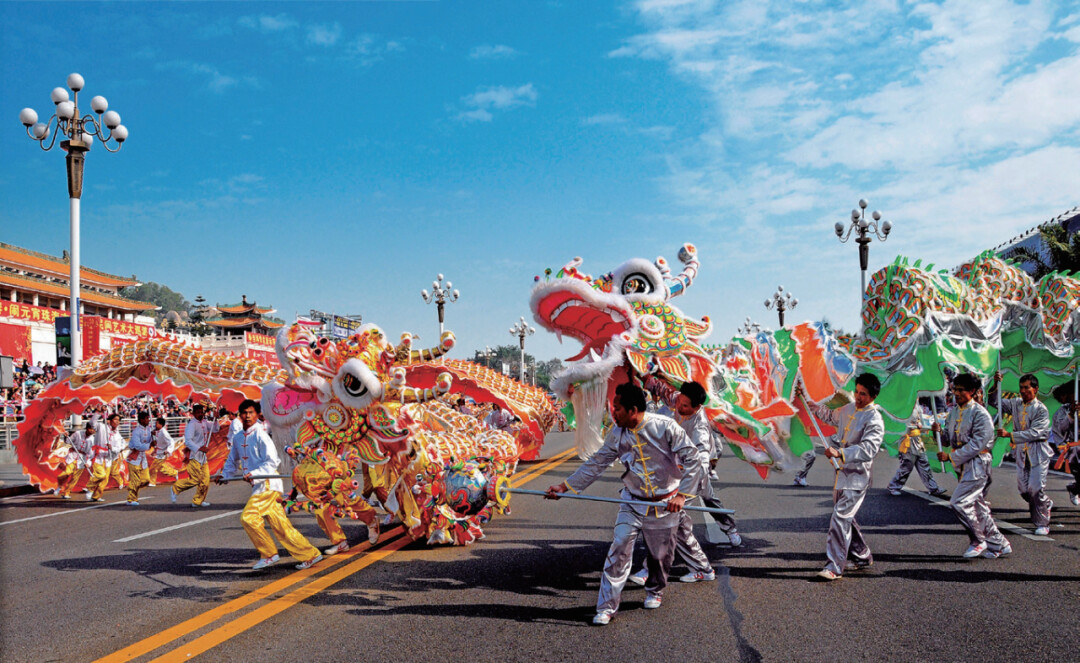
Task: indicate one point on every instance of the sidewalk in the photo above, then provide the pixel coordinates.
(13, 481)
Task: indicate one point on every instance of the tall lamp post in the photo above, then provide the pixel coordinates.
(79, 130)
(863, 228)
(521, 330)
(440, 294)
(781, 301)
(749, 328)
(488, 354)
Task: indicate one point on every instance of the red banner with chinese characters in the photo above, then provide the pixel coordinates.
(29, 312)
(15, 342)
(114, 332)
(254, 338)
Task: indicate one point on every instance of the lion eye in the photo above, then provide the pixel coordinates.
(353, 385)
(636, 284)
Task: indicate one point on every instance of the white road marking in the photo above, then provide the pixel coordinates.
(175, 527)
(1002, 524)
(62, 513)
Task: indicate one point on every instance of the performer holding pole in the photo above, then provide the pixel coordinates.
(77, 460)
(1031, 428)
(138, 468)
(252, 454)
(969, 432)
(197, 440)
(1063, 434)
(861, 432)
(105, 457)
(662, 468)
(163, 448)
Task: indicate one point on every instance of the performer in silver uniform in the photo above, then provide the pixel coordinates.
(860, 432)
(913, 456)
(1031, 428)
(662, 466)
(1063, 436)
(969, 432)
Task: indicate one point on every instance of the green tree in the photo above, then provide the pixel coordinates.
(160, 295)
(1061, 252)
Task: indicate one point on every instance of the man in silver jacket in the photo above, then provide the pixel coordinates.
(1030, 433)
(1063, 429)
(661, 466)
(969, 432)
(859, 434)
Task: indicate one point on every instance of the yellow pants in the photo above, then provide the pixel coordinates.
(68, 478)
(198, 477)
(138, 477)
(160, 466)
(263, 508)
(329, 524)
(99, 477)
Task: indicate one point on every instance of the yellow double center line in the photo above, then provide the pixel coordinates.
(389, 542)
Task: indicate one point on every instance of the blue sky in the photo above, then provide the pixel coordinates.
(339, 155)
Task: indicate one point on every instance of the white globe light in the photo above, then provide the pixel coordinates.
(75, 82)
(41, 131)
(440, 277)
(87, 138)
(120, 133)
(423, 293)
(28, 116)
(449, 284)
(100, 104)
(794, 303)
(768, 303)
(839, 228)
(65, 110)
(876, 215)
(863, 224)
(456, 293)
(854, 215)
(863, 203)
(779, 288)
(434, 284)
(887, 226)
(111, 119)
(59, 94)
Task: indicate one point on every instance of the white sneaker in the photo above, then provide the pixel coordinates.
(699, 576)
(65, 497)
(100, 499)
(133, 503)
(713, 475)
(603, 618)
(373, 533)
(1042, 531)
(975, 550)
(799, 481)
(895, 493)
(310, 563)
(1075, 499)
(827, 575)
(89, 497)
(735, 538)
(652, 601)
(152, 484)
(640, 577)
(333, 550)
(994, 554)
(265, 562)
(172, 496)
(203, 504)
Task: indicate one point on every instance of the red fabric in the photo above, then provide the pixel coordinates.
(15, 342)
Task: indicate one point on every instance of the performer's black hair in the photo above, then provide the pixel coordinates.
(112, 416)
(695, 392)
(870, 382)
(142, 413)
(250, 403)
(1030, 379)
(631, 396)
(1063, 393)
(967, 382)
(161, 420)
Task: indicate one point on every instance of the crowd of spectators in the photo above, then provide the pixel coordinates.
(29, 380)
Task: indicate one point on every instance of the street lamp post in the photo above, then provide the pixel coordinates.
(749, 328)
(79, 132)
(781, 301)
(863, 228)
(440, 294)
(488, 354)
(521, 330)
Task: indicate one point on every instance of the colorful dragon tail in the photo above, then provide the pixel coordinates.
(688, 257)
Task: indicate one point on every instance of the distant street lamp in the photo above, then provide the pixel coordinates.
(80, 132)
(521, 330)
(488, 353)
(781, 301)
(749, 328)
(440, 294)
(863, 227)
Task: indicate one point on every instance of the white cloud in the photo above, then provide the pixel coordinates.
(216, 81)
(604, 118)
(268, 24)
(492, 52)
(480, 104)
(324, 35)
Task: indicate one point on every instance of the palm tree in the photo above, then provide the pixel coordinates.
(1061, 251)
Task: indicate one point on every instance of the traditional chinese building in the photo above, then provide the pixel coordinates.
(35, 290)
(244, 330)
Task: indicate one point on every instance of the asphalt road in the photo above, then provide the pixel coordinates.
(83, 582)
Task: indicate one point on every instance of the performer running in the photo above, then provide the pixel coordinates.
(652, 449)
(861, 431)
(969, 432)
(78, 458)
(105, 457)
(685, 407)
(1062, 435)
(913, 456)
(197, 440)
(142, 438)
(163, 448)
(253, 453)
(1031, 429)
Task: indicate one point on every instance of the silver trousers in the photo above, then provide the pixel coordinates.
(711, 500)
(845, 539)
(686, 544)
(1031, 482)
(969, 503)
(660, 545)
(808, 459)
(917, 462)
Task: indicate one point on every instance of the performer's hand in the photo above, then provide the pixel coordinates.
(1001, 432)
(831, 452)
(942, 456)
(220, 481)
(936, 427)
(553, 492)
(203, 449)
(675, 504)
(997, 377)
(247, 477)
